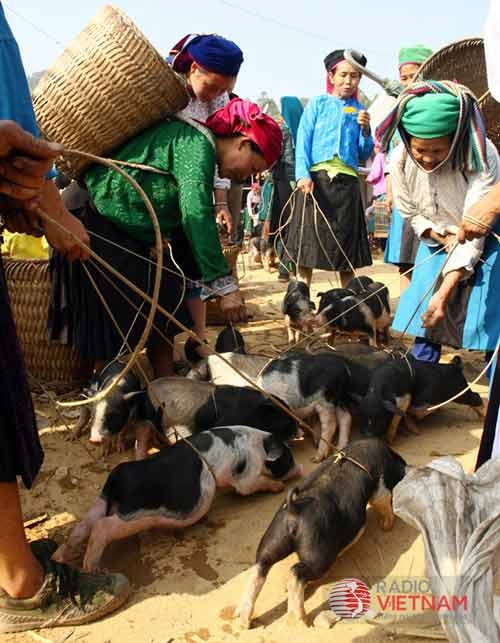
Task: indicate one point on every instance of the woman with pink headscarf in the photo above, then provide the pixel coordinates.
(241, 141)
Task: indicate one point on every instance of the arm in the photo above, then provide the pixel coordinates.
(423, 227)
(437, 304)
(365, 141)
(480, 217)
(303, 160)
(195, 185)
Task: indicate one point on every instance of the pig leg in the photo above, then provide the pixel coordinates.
(146, 437)
(245, 487)
(344, 419)
(381, 501)
(276, 544)
(403, 404)
(289, 330)
(372, 337)
(83, 421)
(70, 551)
(331, 337)
(308, 569)
(328, 419)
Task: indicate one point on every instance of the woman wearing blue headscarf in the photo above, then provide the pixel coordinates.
(209, 64)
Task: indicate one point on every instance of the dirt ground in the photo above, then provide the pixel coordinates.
(187, 582)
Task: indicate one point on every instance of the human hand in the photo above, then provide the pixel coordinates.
(224, 218)
(363, 119)
(24, 162)
(476, 223)
(305, 185)
(435, 310)
(233, 307)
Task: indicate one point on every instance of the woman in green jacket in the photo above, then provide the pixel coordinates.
(240, 140)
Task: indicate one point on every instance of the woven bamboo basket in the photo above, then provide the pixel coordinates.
(491, 113)
(382, 219)
(215, 316)
(462, 61)
(29, 289)
(109, 84)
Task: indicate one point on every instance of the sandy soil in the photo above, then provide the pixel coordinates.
(187, 582)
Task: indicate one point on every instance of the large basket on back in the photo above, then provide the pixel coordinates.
(462, 61)
(29, 290)
(109, 84)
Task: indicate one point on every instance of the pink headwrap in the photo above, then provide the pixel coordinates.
(242, 116)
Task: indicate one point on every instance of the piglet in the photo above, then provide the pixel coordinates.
(176, 487)
(323, 517)
(297, 308)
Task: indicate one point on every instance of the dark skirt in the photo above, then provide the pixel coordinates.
(309, 239)
(20, 452)
(491, 425)
(77, 315)
(402, 242)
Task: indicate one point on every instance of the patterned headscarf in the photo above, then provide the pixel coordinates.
(468, 147)
(244, 117)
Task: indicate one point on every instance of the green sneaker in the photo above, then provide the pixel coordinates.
(67, 597)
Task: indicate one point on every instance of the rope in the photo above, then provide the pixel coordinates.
(156, 288)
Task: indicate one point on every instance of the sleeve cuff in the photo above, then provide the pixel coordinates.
(465, 257)
(219, 287)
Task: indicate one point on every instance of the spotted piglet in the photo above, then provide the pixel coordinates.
(176, 487)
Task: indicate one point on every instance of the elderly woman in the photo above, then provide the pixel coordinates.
(445, 166)
(333, 138)
(242, 141)
(209, 64)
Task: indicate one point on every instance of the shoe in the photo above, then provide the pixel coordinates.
(67, 597)
(284, 277)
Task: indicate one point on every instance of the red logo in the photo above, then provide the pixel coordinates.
(349, 598)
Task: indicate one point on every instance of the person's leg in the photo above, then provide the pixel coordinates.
(345, 277)
(305, 275)
(21, 575)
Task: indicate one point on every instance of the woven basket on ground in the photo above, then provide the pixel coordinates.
(109, 84)
(382, 219)
(215, 317)
(462, 61)
(29, 289)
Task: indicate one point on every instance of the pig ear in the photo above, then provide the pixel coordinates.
(392, 408)
(320, 294)
(312, 305)
(273, 449)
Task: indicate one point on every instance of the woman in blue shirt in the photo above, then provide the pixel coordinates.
(333, 138)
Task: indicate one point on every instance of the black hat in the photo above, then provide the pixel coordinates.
(339, 54)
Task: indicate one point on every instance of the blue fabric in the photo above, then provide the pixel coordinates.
(326, 130)
(216, 54)
(426, 351)
(291, 110)
(482, 322)
(15, 98)
(393, 246)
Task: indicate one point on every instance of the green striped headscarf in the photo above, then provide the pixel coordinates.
(430, 109)
(416, 55)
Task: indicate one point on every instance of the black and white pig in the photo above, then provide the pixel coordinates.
(361, 308)
(109, 417)
(177, 401)
(230, 340)
(297, 308)
(324, 516)
(176, 487)
(313, 383)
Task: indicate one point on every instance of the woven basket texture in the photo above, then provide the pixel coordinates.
(491, 113)
(29, 289)
(215, 316)
(109, 84)
(462, 61)
(382, 219)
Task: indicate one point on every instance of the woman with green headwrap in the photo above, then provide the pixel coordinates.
(444, 166)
